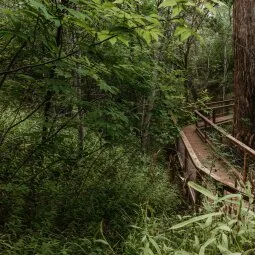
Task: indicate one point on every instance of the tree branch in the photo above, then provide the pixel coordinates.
(7, 44)
(37, 65)
(19, 122)
(11, 63)
(8, 71)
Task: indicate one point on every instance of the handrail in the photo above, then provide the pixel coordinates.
(200, 168)
(220, 102)
(241, 145)
(221, 107)
(247, 151)
(189, 155)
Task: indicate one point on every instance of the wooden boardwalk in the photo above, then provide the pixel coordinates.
(219, 170)
(199, 160)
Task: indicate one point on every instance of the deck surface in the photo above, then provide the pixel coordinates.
(208, 158)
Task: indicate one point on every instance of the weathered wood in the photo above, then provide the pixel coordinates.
(214, 116)
(245, 167)
(190, 158)
(220, 102)
(222, 107)
(243, 147)
(202, 169)
(201, 134)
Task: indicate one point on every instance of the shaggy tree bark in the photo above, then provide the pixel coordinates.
(244, 73)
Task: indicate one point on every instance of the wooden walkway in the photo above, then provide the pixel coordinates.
(199, 160)
(219, 170)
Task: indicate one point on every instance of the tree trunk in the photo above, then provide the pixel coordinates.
(244, 73)
(147, 118)
(49, 108)
(225, 68)
(81, 111)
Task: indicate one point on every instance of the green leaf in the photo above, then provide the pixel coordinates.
(224, 227)
(210, 8)
(103, 35)
(42, 8)
(123, 40)
(136, 227)
(78, 15)
(147, 250)
(146, 36)
(202, 190)
(196, 242)
(208, 222)
(195, 219)
(190, 4)
(224, 240)
(153, 242)
(207, 243)
(176, 11)
(105, 87)
(183, 32)
(101, 241)
(170, 3)
(219, 2)
(113, 40)
(182, 253)
(223, 249)
(118, 2)
(155, 35)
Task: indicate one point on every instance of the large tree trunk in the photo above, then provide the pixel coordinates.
(244, 74)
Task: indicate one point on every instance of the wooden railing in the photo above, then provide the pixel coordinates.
(220, 103)
(220, 109)
(202, 125)
(219, 112)
(193, 168)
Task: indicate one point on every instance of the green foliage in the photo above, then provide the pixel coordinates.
(216, 232)
(86, 90)
(57, 208)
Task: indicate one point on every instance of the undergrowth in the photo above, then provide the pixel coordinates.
(55, 202)
(113, 200)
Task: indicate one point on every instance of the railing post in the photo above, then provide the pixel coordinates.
(185, 159)
(196, 120)
(221, 190)
(205, 127)
(214, 116)
(245, 167)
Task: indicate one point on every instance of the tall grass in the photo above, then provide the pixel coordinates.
(54, 202)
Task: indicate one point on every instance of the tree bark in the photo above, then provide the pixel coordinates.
(244, 73)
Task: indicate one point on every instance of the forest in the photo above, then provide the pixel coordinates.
(94, 95)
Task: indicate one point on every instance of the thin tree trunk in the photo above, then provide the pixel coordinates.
(147, 118)
(225, 73)
(150, 102)
(49, 109)
(188, 83)
(81, 113)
